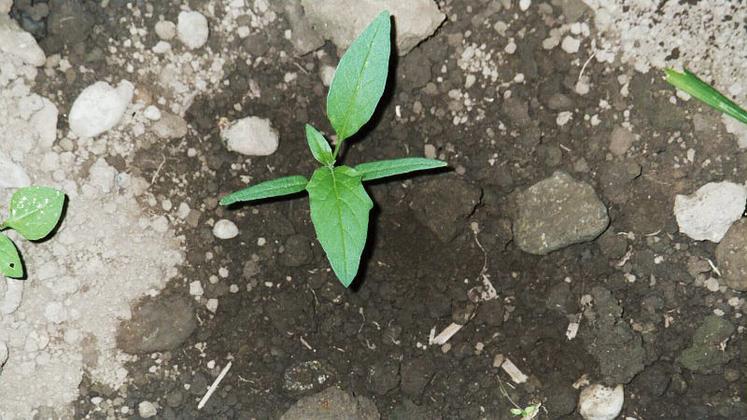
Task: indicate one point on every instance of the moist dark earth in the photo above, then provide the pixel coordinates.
(291, 330)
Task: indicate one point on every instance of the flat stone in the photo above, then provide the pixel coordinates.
(251, 136)
(557, 212)
(160, 324)
(341, 21)
(15, 41)
(443, 204)
(708, 213)
(170, 126)
(731, 255)
(307, 377)
(332, 404)
(706, 355)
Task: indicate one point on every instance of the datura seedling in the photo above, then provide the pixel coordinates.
(339, 203)
(34, 213)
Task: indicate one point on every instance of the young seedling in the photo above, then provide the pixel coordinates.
(694, 86)
(34, 213)
(339, 203)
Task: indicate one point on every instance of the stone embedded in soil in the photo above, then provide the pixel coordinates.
(296, 251)
(166, 30)
(225, 229)
(613, 343)
(192, 29)
(251, 136)
(170, 126)
(598, 402)
(706, 354)
(157, 325)
(304, 37)
(731, 256)
(341, 21)
(332, 404)
(709, 212)
(443, 203)
(15, 41)
(383, 376)
(99, 108)
(557, 212)
(307, 377)
(621, 140)
(146, 409)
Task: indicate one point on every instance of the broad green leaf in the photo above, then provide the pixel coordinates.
(385, 168)
(273, 188)
(35, 211)
(10, 261)
(360, 78)
(318, 145)
(694, 86)
(339, 211)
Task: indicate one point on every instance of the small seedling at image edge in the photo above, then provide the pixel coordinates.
(339, 203)
(34, 213)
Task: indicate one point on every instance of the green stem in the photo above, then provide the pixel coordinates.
(338, 146)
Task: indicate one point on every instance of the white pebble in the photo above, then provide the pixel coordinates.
(152, 113)
(195, 288)
(161, 47)
(165, 30)
(570, 44)
(251, 136)
(192, 29)
(710, 211)
(146, 409)
(712, 284)
(99, 108)
(212, 305)
(598, 402)
(225, 229)
(563, 118)
(524, 5)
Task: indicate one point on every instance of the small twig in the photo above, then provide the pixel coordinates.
(214, 386)
(581, 73)
(158, 170)
(713, 266)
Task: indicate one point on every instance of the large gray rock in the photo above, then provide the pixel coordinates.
(557, 212)
(157, 325)
(341, 20)
(332, 404)
(15, 41)
(731, 255)
(706, 354)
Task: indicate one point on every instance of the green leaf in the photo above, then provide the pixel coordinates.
(694, 86)
(385, 168)
(517, 411)
(318, 145)
(339, 211)
(273, 188)
(10, 261)
(360, 78)
(35, 211)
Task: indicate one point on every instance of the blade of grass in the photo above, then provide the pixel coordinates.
(694, 86)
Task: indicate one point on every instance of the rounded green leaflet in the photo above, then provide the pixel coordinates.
(10, 260)
(35, 211)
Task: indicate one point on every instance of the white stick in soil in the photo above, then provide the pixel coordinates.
(516, 375)
(214, 386)
(446, 334)
(13, 296)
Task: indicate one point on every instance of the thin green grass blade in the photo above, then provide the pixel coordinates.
(273, 188)
(385, 168)
(695, 87)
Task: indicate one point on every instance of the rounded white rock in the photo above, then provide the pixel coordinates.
(598, 402)
(711, 210)
(251, 136)
(192, 29)
(225, 229)
(99, 108)
(166, 30)
(146, 409)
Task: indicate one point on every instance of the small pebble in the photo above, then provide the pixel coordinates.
(146, 409)
(225, 229)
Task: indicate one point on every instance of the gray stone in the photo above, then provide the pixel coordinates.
(621, 140)
(69, 22)
(416, 375)
(170, 126)
(332, 404)
(731, 255)
(341, 21)
(303, 36)
(307, 377)
(706, 355)
(709, 212)
(157, 325)
(383, 377)
(557, 212)
(297, 251)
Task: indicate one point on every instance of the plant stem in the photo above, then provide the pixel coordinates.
(338, 146)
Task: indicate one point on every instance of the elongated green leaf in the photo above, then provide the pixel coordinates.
(273, 188)
(694, 86)
(35, 211)
(318, 145)
(339, 211)
(10, 261)
(385, 168)
(360, 78)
